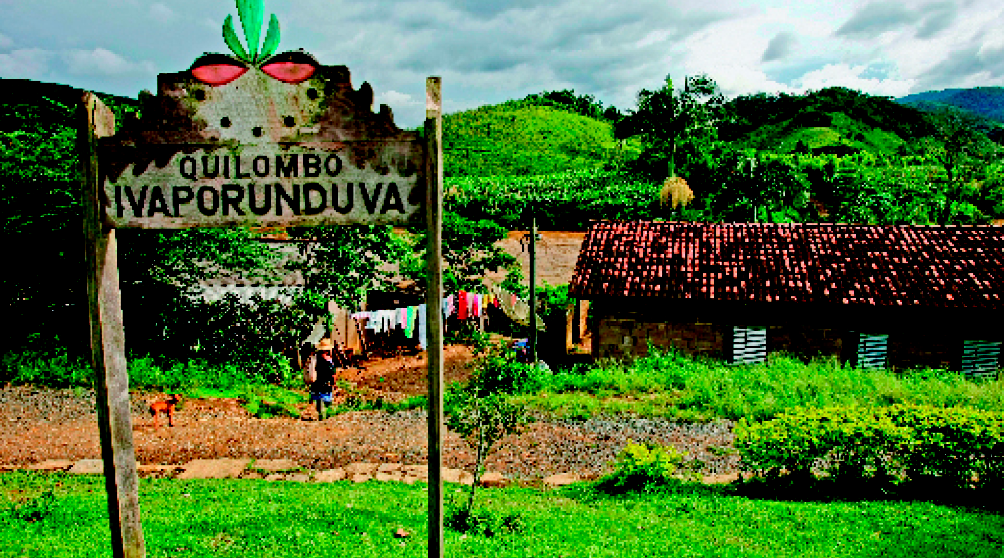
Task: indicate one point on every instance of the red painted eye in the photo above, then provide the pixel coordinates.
(217, 69)
(291, 67)
(289, 72)
(218, 74)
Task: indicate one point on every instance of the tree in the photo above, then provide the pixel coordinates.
(481, 415)
(957, 138)
(666, 118)
(342, 263)
(469, 252)
(748, 187)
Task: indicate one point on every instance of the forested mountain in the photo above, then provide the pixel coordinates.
(835, 120)
(983, 101)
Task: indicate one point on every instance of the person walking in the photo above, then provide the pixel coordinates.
(324, 376)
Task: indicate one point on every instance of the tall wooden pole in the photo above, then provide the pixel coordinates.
(111, 378)
(533, 284)
(434, 305)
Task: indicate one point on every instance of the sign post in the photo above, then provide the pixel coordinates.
(111, 383)
(434, 307)
(248, 140)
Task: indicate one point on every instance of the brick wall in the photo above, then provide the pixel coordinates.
(628, 337)
(621, 329)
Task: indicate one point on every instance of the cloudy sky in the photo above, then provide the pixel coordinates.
(490, 51)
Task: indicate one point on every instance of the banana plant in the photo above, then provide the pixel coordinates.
(251, 13)
(219, 69)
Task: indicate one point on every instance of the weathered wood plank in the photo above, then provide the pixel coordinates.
(434, 312)
(108, 341)
(262, 151)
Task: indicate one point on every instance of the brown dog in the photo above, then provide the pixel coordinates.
(167, 407)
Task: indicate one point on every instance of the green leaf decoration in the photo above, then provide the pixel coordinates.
(232, 41)
(251, 13)
(271, 39)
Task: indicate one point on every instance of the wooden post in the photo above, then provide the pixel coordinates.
(533, 284)
(434, 305)
(104, 301)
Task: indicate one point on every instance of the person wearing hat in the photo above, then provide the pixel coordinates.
(324, 365)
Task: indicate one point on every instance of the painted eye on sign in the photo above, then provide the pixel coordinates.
(278, 141)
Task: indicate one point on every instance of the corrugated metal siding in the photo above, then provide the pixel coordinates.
(749, 344)
(980, 359)
(872, 350)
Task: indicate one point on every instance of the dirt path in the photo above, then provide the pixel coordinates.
(42, 424)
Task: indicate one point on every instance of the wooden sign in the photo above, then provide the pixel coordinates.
(300, 147)
(250, 139)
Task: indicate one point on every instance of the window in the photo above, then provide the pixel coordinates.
(872, 350)
(749, 344)
(980, 358)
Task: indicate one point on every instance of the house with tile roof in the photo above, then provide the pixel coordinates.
(897, 296)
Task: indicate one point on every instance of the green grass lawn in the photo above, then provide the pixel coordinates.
(251, 518)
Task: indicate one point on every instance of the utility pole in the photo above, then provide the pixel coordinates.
(533, 284)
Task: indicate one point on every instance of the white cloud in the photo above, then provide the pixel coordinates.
(27, 63)
(744, 80)
(842, 75)
(394, 99)
(161, 12)
(103, 62)
(5, 41)
(993, 46)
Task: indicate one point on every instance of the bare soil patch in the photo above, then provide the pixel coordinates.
(39, 424)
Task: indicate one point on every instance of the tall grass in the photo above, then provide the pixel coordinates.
(699, 388)
(145, 373)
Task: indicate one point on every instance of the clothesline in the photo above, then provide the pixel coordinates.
(412, 319)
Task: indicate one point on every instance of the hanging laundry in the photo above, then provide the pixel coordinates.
(403, 318)
(317, 333)
(476, 307)
(462, 305)
(517, 309)
(421, 326)
(409, 328)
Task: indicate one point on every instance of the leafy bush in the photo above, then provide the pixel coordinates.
(882, 444)
(498, 372)
(953, 443)
(646, 466)
(482, 522)
(57, 371)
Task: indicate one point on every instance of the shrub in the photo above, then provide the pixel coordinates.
(488, 523)
(954, 444)
(498, 372)
(646, 466)
(911, 442)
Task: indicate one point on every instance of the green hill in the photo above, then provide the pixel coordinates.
(520, 138)
(835, 119)
(987, 102)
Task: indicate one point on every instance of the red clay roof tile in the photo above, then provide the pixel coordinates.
(897, 265)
